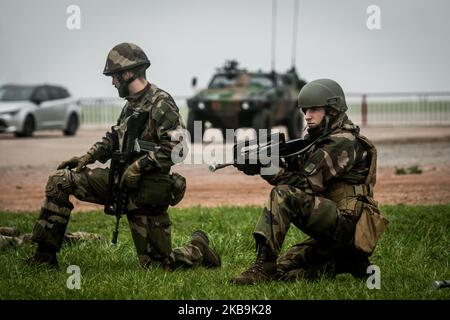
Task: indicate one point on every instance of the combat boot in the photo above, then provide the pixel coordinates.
(356, 266)
(210, 258)
(359, 268)
(44, 256)
(263, 270)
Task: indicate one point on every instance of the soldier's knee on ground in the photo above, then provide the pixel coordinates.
(160, 237)
(152, 237)
(326, 270)
(145, 261)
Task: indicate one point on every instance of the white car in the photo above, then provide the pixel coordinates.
(25, 109)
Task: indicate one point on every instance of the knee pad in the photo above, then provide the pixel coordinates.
(281, 191)
(59, 185)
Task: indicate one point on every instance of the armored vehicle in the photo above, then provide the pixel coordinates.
(236, 98)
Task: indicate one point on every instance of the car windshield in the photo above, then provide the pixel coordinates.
(240, 80)
(15, 93)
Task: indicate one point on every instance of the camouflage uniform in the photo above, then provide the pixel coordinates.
(150, 225)
(11, 237)
(322, 192)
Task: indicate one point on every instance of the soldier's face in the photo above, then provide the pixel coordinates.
(314, 116)
(115, 78)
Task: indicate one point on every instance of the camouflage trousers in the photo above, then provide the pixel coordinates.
(330, 247)
(151, 232)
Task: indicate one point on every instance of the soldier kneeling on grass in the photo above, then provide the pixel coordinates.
(326, 192)
(147, 178)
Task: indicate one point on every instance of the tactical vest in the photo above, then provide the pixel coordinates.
(343, 193)
(357, 200)
(155, 189)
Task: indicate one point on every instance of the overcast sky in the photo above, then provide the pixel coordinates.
(411, 51)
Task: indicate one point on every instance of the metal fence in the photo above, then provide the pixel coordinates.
(371, 109)
(400, 109)
(104, 112)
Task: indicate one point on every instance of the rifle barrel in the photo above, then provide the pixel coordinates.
(441, 284)
(214, 167)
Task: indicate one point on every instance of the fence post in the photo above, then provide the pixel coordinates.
(364, 111)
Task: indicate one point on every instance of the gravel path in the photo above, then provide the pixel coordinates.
(26, 163)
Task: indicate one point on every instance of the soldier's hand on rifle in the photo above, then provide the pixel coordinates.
(77, 162)
(131, 176)
(249, 169)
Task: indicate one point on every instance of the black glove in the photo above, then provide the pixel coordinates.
(249, 169)
(77, 162)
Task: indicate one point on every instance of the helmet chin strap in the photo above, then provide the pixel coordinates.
(324, 127)
(327, 124)
(123, 85)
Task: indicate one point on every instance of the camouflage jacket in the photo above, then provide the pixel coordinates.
(340, 156)
(163, 121)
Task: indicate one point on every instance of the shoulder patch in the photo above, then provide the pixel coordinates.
(309, 168)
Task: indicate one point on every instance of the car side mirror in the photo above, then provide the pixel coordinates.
(194, 82)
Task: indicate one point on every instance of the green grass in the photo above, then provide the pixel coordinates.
(413, 253)
(410, 170)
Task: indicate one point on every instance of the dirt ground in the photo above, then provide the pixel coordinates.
(26, 163)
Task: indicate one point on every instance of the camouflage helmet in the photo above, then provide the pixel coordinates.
(125, 56)
(325, 93)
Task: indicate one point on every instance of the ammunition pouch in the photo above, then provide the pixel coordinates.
(371, 224)
(154, 189)
(160, 189)
(179, 188)
(355, 203)
(345, 194)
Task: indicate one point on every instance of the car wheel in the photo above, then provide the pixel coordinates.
(262, 120)
(28, 127)
(192, 116)
(294, 124)
(72, 125)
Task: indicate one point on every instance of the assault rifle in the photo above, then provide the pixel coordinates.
(117, 201)
(441, 284)
(259, 151)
